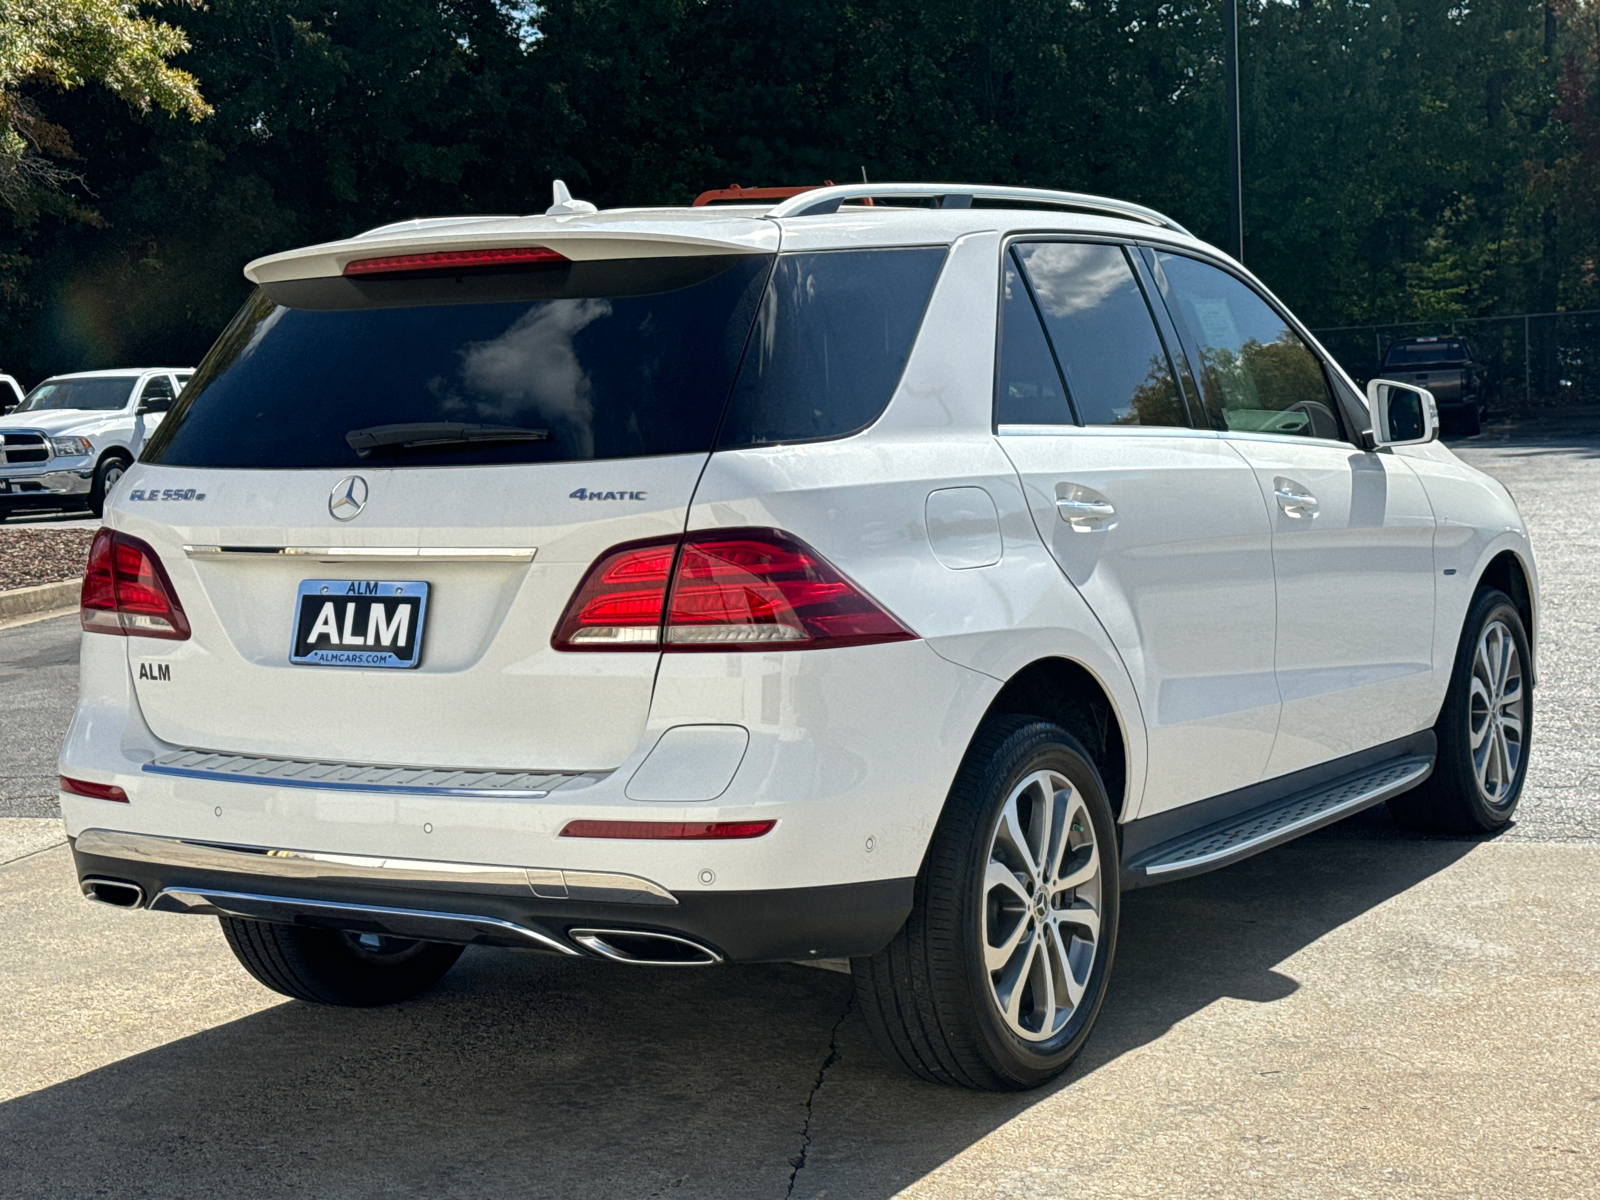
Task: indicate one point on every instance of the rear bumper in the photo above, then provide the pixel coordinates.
(472, 903)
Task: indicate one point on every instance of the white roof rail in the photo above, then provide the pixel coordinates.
(820, 201)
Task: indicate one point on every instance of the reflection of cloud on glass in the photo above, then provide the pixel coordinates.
(532, 368)
(1070, 278)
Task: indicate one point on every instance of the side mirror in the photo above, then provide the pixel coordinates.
(1402, 415)
(155, 404)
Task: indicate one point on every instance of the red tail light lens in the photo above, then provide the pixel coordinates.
(455, 260)
(95, 791)
(619, 604)
(126, 591)
(736, 589)
(692, 831)
(765, 589)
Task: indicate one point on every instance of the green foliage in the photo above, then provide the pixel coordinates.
(63, 44)
(1403, 158)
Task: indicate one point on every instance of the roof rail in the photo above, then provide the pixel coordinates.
(822, 201)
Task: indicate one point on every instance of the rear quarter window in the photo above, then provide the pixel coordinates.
(832, 337)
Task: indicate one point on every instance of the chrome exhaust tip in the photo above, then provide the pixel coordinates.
(644, 948)
(118, 893)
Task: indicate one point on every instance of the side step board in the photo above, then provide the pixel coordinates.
(1261, 828)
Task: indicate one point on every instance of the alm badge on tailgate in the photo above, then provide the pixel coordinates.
(359, 623)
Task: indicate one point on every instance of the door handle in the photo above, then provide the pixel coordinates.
(1083, 508)
(1294, 499)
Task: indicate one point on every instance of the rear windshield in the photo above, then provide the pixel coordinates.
(1425, 352)
(582, 361)
(594, 360)
(101, 394)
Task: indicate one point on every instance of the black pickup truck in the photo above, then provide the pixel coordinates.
(1447, 367)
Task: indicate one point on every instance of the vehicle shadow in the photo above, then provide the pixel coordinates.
(531, 1077)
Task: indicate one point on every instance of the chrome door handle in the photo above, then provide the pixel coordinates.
(1294, 499)
(1088, 510)
(1084, 509)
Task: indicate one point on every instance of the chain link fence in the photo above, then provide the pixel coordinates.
(1533, 360)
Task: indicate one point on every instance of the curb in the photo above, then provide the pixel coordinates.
(20, 602)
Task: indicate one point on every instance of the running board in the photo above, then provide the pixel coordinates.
(1228, 841)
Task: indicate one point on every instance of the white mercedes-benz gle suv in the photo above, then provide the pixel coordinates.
(817, 579)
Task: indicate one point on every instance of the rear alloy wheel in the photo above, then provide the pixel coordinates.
(1483, 728)
(997, 976)
(336, 966)
(105, 479)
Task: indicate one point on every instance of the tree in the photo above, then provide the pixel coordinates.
(64, 44)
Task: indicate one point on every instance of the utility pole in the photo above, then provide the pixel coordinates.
(1230, 61)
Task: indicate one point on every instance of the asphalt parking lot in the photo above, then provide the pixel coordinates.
(1362, 1013)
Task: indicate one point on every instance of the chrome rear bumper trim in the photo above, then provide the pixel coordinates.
(545, 883)
(400, 922)
(357, 777)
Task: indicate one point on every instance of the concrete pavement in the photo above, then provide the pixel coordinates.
(1341, 1017)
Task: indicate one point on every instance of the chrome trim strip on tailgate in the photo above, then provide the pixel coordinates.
(371, 553)
(545, 883)
(357, 777)
(401, 922)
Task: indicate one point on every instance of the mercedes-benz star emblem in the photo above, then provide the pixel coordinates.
(349, 498)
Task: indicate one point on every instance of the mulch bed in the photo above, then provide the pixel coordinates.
(34, 556)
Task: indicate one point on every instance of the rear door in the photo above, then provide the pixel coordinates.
(1352, 530)
(1160, 526)
(487, 436)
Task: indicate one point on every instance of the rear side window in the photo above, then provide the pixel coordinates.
(828, 347)
(575, 362)
(1117, 371)
(1029, 390)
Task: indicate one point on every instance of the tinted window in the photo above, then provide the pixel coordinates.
(832, 337)
(612, 359)
(1256, 374)
(1426, 352)
(104, 394)
(1116, 369)
(1028, 390)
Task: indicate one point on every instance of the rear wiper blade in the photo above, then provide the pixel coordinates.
(423, 435)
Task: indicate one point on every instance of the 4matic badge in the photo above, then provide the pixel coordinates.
(586, 494)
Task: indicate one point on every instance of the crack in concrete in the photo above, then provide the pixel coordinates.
(798, 1161)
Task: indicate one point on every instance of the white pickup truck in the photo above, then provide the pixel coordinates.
(72, 437)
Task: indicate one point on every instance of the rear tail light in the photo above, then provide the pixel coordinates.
(456, 260)
(692, 831)
(95, 791)
(731, 589)
(126, 591)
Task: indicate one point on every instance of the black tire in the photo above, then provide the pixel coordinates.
(106, 475)
(1471, 422)
(330, 966)
(1454, 799)
(927, 997)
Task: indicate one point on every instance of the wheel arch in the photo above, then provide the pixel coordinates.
(115, 450)
(1068, 693)
(1507, 572)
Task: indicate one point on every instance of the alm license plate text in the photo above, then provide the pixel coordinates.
(359, 623)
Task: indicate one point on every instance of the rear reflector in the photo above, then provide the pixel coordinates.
(688, 831)
(455, 260)
(95, 791)
(126, 591)
(734, 589)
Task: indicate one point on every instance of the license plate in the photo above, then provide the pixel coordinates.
(359, 623)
